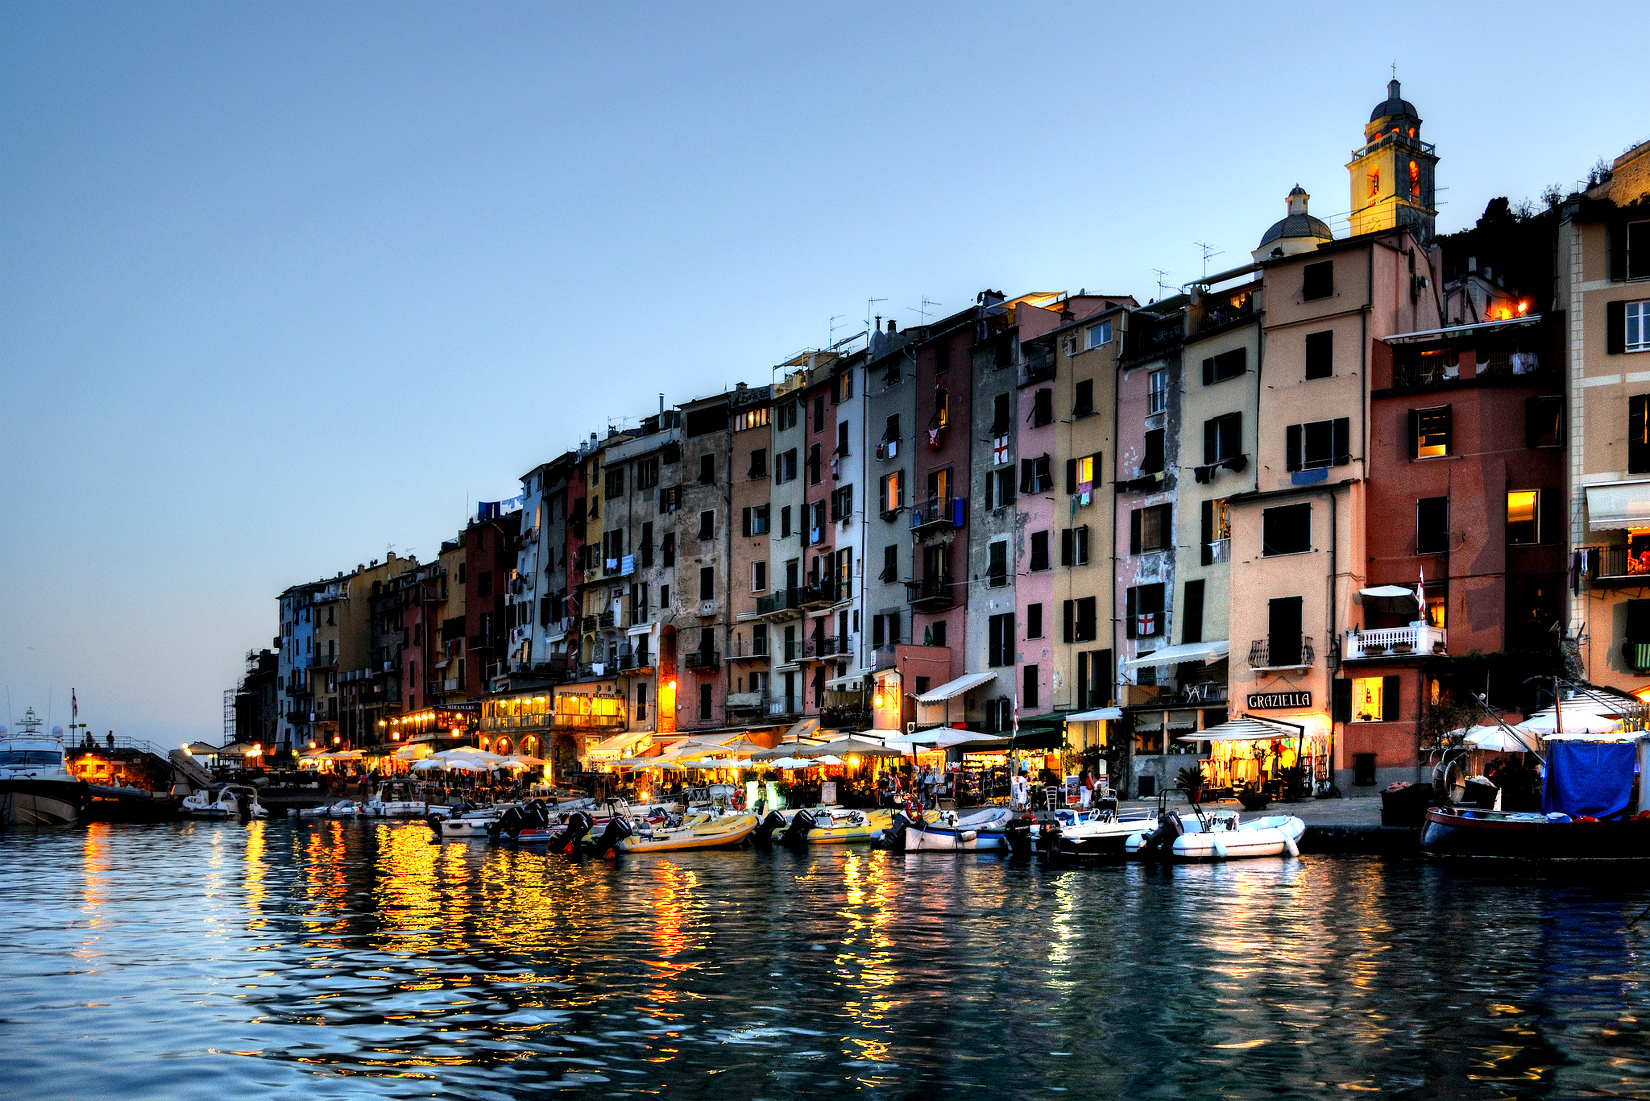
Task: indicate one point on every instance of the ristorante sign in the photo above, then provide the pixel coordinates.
(1268, 701)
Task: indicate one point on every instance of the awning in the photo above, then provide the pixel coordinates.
(1240, 730)
(1387, 592)
(802, 728)
(1098, 715)
(848, 679)
(844, 746)
(944, 737)
(1618, 505)
(620, 741)
(1175, 655)
(951, 689)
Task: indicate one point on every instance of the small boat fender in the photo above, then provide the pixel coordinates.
(1290, 847)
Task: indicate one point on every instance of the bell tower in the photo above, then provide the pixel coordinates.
(1393, 173)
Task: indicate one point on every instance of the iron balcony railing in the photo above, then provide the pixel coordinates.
(939, 512)
(1281, 653)
(931, 592)
(701, 659)
(785, 600)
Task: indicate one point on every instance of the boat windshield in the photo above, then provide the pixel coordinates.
(30, 758)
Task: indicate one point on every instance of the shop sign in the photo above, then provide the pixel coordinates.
(1266, 701)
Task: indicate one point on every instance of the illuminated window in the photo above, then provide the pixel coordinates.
(1369, 699)
(893, 491)
(752, 418)
(1436, 617)
(1374, 185)
(1532, 516)
(1429, 432)
(1414, 178)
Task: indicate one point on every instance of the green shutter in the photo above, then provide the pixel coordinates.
(1340, 709)
(1389, 699)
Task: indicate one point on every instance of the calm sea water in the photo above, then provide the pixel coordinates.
(220, 961)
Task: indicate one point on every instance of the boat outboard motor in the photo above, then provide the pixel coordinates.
(797, 835)
(762, 836)
(570, 841)
(1049, 837)
(618, 828)
(894, 836)
(1160, 842)
(1018, 833)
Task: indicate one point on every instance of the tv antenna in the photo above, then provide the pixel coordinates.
(923, 313)
(1208, 252)
(1162, 287)
(830, 341)
(869, 302)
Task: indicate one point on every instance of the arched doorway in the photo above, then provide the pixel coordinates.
(564, 757)
(530, 745)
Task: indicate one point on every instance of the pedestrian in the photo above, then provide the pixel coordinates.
(1085, 794)
(1019, 790)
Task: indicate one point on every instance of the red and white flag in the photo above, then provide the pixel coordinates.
(999, 451)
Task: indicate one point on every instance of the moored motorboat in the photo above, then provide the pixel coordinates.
(229, 801)
(1532, 835)
(1218, 836)
(396, 799)
(984, 830)
(36, 787)
(708, 833)
(1088, 835)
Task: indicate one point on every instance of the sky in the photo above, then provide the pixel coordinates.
(285, 286)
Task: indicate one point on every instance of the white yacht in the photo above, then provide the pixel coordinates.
(36, 787)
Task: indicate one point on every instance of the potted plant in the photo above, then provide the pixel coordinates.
(1190, 781)
(1375, 648)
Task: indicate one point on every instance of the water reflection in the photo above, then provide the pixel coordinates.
(346, 959)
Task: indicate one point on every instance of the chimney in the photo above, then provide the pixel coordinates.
(892, 327)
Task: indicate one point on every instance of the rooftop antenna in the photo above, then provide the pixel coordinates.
(1162, 287)
(830, 339)
(1208, 251)
(869, 302)
(923, 313)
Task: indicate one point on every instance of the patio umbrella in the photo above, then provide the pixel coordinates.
(782, 750)
(462, 765)
(740, 747)
(200, 749)
(788, 762)
(470, 753)
(524, 760)
(828, 759)
(1498, 740)
(429, 764)
(1575, 720)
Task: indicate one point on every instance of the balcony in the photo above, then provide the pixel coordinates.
(1227, 306)
(640, 661)
(1281, 653)
(883, 657)
(820, 593)
(746, 701)
(783, 705)
(606, 620)
(754, 649)
(1611, 567)
(1040, 369)
(784, 604)
(588, 623)
(479, 643)
(701, 660)
(324, 661)
(939, 512)
(1387, 643)
(931, 593)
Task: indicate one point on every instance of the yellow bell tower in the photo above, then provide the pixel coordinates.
(1392, 175)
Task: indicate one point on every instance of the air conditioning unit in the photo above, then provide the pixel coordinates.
(910, 728)
(707, 607)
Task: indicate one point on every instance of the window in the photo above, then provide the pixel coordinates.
(1079, 619)
(1143, 608)
(942, 409)
(1374, 699)
(845, 387)
(997, 563)
(664, 596)
(647, 473)
(816, 522)
(890, 433)
(1081, 474)
(667, 549)
(1157, 391)
(787, 415)
(935, 635)
(484, 583)
(754, 520)
(1083, 404)
(1215, 528)
(1074, 546)
(1035, 476)
(707, 583)
(707, 524)
(784, 467)
(759, 463)
(814, 464)
(1096, 335)
(1000, 650)
(999, 487)
(893, 493)
(1533, 516)
(1151, 529)
(1191, 616)
(1039, 550)
(1042, 407)
(890, 563)
(615, 482)
(819, 412)
(1152, 462)
(750, 418)
(1317, 444)
(1223, 438)
(1630, 250)
(706, 699)
(1544, 421)
(1318, 280)
(646, 547)
(759, 577)
(1034, 621)
(841, 439)
(1284, 642)
(1028, 687)
(1629, 322)
(1320, 354)
(1432, 525)
(842, 503)
(1224, 366)
(844, 580)
(670, 499)
(1429, 433)
(1286, 529)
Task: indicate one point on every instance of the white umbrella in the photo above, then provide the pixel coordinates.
(1500, 740)
(471, 766)
(470, 753)
(1575, 721)
(429, 764)
(828, 759)
(789, 762)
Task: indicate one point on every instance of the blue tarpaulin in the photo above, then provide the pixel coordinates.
(1593, 778)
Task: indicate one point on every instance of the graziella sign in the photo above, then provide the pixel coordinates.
(1267, 701)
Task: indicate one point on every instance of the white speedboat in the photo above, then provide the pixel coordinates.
(1090, 834)
(36, 786)
(981, 830)
(1219, 836)
(345, 808)
(229, 801)
(396, 799)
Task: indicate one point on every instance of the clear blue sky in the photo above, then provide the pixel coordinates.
(282, 286)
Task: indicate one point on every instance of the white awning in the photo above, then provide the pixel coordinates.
(1174, 655)
(1098, 715)
(1241, 730)
(847, 679)
(951, 689)
(1618, 505)
(620, 741)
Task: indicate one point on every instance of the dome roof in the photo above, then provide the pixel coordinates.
(1298, 225)
(1393, 106)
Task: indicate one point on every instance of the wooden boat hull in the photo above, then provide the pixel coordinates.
(717, 834)
(1448, 832)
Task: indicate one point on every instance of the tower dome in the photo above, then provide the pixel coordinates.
(1297, 231)
(1395, 114)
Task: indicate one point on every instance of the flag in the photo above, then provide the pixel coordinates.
(74, 708)
(999, 451)
(933, 439)
(1016, 715)
(1421, 596)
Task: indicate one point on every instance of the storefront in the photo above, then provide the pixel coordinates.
(1283, 757)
